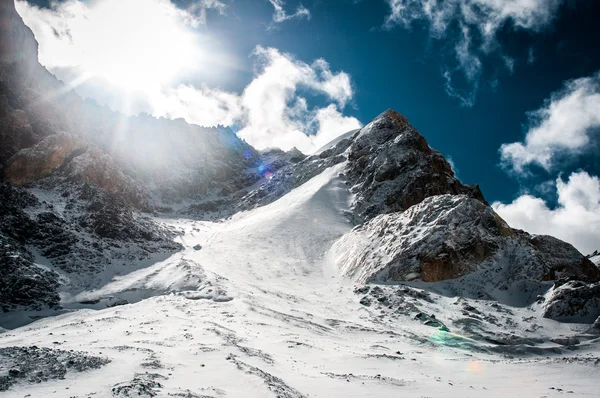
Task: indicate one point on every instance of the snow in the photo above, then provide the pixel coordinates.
(261, 310)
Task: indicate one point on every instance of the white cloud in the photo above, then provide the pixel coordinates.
(195, 14)
(576, 219)
(563, 126)
(276, 115)
(452, 165)
(487, 16)
(475, 19)
(510, 63)
(204, 106)
(270, 111)
(530, 55)
(132, 43)
(279, 15)
(465, 97)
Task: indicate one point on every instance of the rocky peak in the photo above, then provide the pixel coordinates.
(393, 168)
(383, 128)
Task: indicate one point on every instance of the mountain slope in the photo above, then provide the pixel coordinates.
(269, 315)
(365, 269)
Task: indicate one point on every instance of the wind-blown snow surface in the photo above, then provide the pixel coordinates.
(258, 309)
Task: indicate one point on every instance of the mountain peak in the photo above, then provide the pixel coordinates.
(395, 117)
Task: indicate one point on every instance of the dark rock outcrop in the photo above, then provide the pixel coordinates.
(573, 301)
(450, 236)
(39, 161)
(392, 168)
(78, 231)
(39, 364)
(25, 285)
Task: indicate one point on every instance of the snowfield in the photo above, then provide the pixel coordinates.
(255, 306)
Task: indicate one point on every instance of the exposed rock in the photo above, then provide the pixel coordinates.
(566, 261)
(430, 320)
(17, 42)
(392, 168)
(573, 301)
(41, 160)
(142, 385)
(443, 237)
(595, 329)
(594, 258)
(25, 285)
(292, 176)
(116, 302)
(449, 236)
(79, 234)
(97, 168)
(16, 132)
(36, 365)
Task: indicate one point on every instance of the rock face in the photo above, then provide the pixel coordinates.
(36, 365)
(17, 41)
(79, 232)
(392, 168)
(25, 285)
(449, 236)
(443, 237)
(573, 301)
(39, 161)
(595, 258)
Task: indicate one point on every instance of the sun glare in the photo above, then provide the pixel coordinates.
(143, 44)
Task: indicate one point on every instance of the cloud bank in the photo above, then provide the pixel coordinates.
(564, 126)
(473, 25)
(576, 219)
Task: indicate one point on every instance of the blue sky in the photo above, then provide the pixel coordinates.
(509, 90)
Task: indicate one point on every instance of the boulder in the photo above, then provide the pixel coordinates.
(573, 301)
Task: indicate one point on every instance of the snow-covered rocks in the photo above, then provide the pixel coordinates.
(31, 164)
(443, 237)
(35, 365)
(392, 168)
(595, 258)
(79, 236)
(449, 236)
(25, 285)
(573, 301)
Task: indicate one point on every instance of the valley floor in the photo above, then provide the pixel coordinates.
(255, 307)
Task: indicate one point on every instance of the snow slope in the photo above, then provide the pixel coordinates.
(259, 309)
(595, 259)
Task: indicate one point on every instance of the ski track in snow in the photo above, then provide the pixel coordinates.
(261, 311)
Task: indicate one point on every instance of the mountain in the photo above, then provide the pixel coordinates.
(595, 257)
(89, 172)
(151, 257)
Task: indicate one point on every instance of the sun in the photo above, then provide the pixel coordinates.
(134, 44)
